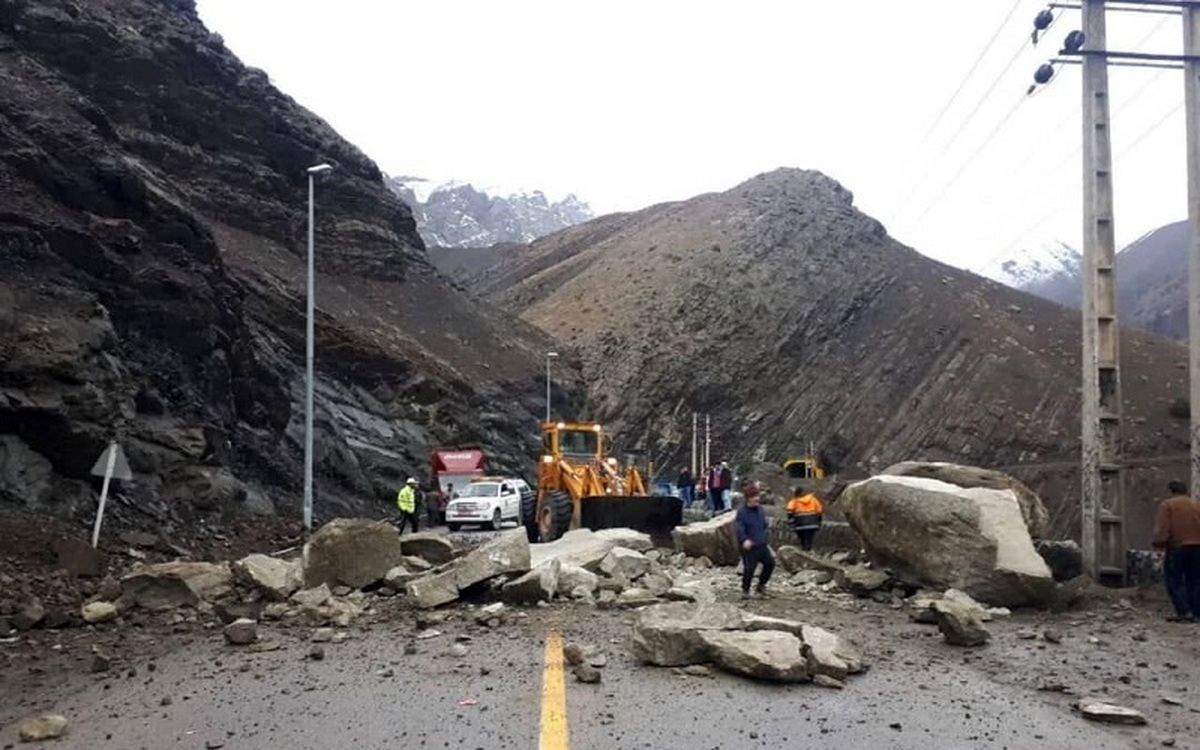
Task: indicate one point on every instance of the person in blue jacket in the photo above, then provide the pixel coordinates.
(751, 525)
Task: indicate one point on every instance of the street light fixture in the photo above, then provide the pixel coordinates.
(313, 171)
(549, 356)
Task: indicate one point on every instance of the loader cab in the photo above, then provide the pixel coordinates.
(574, 441)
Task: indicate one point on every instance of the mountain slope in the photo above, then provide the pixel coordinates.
(152, 228)
(1151, 283)
(792, 317)
(460, 215)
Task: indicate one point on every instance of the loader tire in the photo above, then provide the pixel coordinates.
(554, 516)
(529, 515)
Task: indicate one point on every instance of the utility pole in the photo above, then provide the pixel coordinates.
(312, 171)
(707, 441)
(695, 420)
(1191, 94)
(1102, 476)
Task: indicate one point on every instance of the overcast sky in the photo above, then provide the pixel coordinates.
(630, 103)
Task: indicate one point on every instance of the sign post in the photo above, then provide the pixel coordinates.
(111, 464)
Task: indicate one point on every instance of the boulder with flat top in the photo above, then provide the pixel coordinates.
(352, 552)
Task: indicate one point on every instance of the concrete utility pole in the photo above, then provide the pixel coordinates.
(549, 356)
(1191, 94)
(695, 426)
(1102, 476)
(707, 441)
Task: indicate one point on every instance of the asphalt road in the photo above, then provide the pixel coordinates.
(190, 690)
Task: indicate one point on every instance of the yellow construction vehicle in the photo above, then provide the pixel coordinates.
(580, 486)
(808, 467)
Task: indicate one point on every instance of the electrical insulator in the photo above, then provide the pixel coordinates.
(1044, 74)
(1043, 20)
(1074, 41)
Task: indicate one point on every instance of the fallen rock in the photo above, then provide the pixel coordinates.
(586, 673)
(1109, 713)
(580, 547)
(1063, 557)
(352, 552)
(606, 599)
(538, 585)
(109, 590)
(625, 563)
(176, 584)
(829, 654)
(960, 624)
(241, 632)
(826, 681)
(860, 580)
(1033, 510)
(714, 539)
(276, 579)
(656, 583)
(44, 727)
(691, 593)
(322, 635)
(697, 670)
(431, 591)
(572, 577)
(101, 662)
(508, 553)
(399, 576)
(627, 538)
(636, 597)
(29, 615)
(573, 654)
(762, 654)
(949, 537)
(434, 549)
(456, 650)
(316, 652)
(416, 564)
(313, 597)
(669, 635)
(794, 560)
(98, 612)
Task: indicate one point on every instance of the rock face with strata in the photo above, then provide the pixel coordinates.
(351, 552)
(944, 536)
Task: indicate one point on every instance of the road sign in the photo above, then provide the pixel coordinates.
(120, 467)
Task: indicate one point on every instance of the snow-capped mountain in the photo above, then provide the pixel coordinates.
(1031, 269)
(458, 214)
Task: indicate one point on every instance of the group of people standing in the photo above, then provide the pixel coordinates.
(714, 484)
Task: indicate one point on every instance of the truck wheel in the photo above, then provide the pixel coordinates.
(497, 520)
(554, 516)
(528, 517)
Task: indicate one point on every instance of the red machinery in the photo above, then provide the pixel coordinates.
(452, 470)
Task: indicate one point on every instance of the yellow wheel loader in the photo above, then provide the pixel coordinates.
(580, 486)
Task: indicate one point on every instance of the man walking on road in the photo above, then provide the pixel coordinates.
(406, 502)
(751, 525)
(687, 487)
(1177, 533)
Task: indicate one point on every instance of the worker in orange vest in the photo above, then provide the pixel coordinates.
(804, 511)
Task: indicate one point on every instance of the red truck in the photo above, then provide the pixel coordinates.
(452, 470)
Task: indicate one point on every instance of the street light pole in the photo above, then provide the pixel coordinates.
(549, 356)
(308, 353)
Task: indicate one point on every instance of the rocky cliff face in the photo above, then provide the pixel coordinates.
(792, 317)
(152, 224)
(459, 215)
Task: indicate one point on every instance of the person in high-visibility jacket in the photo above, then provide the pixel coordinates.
(406, 502)
(804, 511)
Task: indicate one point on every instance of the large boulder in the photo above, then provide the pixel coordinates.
(715, 539)
(432, 591)
(762, 654)
(176, 584)
(276, 579)
(960, 623)
(794, 560)
(671, 635)
(582, 548)
(627, 538)
(624, 563)
(351, 552)
(945, 536)
(1033, 510)
(433, 548)
(538, 585)
(506, 554)
(830, 654)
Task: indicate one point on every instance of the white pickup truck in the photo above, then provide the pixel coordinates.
(488, 501)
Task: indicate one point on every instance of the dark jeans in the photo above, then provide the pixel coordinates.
(687, 493)
(716, 500)
(806, 538)
(405, 518)
(751, 559)
(1181, 569)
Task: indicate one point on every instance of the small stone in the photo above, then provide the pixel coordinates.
(98, 612)
(824, 680)
(1025, 634)
(697, 670)
(1052, 636)
(214, 745)
(44, 727)
(1110, 713)
(1140, 636)
(457, 650)
(322, 635)
(586, 673)
(425, 635)
(599, 661)
(100, 662)
(316, 652)
(262, 647)
(241, 631)
(410, 649)
(573, 654)
(166, 701)
(386, 672)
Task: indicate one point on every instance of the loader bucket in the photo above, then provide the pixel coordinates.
(652, 514)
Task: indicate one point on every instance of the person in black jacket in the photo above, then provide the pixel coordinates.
(751, 525)
(687, 487)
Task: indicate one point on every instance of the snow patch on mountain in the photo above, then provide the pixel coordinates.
(1031, 268)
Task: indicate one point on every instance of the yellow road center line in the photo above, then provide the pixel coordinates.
(554, 697)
